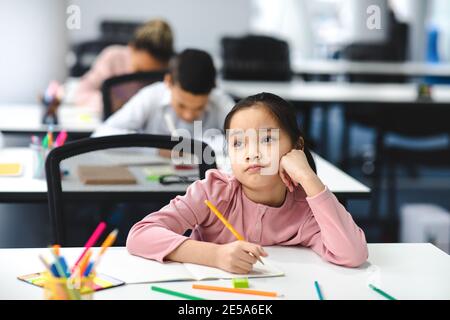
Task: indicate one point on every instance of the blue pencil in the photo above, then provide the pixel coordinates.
(381, 292)
(319, 293)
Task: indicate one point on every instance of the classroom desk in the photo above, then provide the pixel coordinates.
(26, 119)
(27, 189)
(307, 95)
(339, 92)
(345, 67)
(405, 271)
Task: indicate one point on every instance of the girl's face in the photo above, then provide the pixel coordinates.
(255, 146)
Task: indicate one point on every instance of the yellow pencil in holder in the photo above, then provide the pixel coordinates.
(72, 288)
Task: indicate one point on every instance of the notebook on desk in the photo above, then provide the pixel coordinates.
(132, 269)
(111, 175)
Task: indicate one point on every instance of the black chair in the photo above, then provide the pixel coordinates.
(423, 120)
(400, 156)
(254, 57)
(394, 49)
(61, 200)
(116, 91)
(118, 30)
(86, 52)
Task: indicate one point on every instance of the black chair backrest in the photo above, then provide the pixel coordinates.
(118, 30)
(116, 91)
(423, 120)
(394, 49)
(57, 197)
(254, 57)
(87, 51)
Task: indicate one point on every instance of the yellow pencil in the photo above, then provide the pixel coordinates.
(226, 223)
(50, 139)
(109, 241)
(105, 245)
(56, 248)
(84, 263)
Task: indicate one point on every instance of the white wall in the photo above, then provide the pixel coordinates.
(439, 18)
(286, 19)
(196, 23)
(33, 47)
(415, 13)
(354, 16)
(35, 39)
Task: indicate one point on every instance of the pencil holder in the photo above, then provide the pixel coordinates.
(38, 163)
(68, 288)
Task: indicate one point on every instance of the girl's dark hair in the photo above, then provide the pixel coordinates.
(282, 111)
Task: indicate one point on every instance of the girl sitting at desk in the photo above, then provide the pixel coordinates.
(274, 197)
(150, 50)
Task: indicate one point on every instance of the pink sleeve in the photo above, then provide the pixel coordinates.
(88, 92)
(161, 232)
(331, 232)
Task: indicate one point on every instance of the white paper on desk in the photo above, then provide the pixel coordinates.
(135, 156)
(200, 272)
(132, 269)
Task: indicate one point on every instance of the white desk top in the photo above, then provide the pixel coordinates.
(337, 181)
(405, 271)
(28, 117)
(298, 90)
(412, 69)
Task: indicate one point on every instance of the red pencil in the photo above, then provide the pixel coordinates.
(91, 242)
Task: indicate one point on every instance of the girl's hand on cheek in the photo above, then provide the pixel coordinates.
(294, 165)
(295, 169)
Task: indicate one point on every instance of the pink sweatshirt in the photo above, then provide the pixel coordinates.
(318, 222)
(113, 61)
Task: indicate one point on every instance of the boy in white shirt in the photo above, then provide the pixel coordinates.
(187, 94)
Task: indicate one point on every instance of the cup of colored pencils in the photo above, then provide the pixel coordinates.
(62, 284)
(72, 288)
(78, 282)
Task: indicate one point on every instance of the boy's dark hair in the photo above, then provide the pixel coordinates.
(156, 38)
(282, 111)
(193, 70)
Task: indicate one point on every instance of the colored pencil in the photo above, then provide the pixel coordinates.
(73, 294)
(91, 242)
(319, 293)
(85, 262)
(105, 245)
(46, 264)
(61, 138)
(175, 293)
(381, 292)
(227, 224)
(56, 248)
(236, 290)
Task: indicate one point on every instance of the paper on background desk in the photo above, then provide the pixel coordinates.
(11, 169)
(134, 156)
(132, 269)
